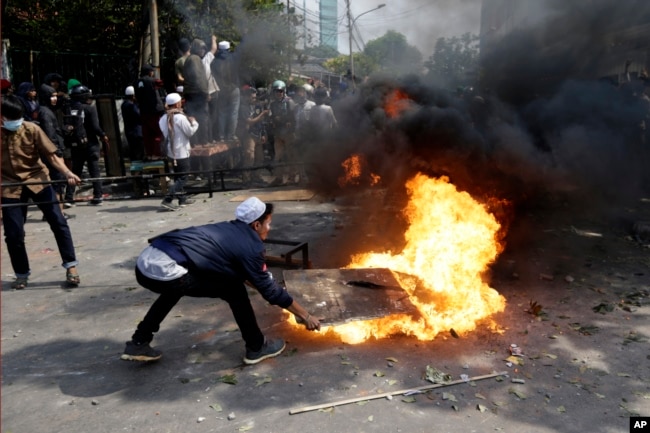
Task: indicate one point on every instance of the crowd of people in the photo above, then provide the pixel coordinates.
(46, 143)
(261, 125)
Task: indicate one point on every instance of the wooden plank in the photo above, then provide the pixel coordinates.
(338, 296)
(409, 391)
(281, 195)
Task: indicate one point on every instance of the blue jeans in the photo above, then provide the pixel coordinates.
(177, 187)
(199, 286)
(228, 108)
(81, 155)
(13, 221)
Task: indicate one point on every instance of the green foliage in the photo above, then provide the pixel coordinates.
(321, 52)
(363, 65)
(393, 54)
(259, 28)
(106, 26)
(454, 60)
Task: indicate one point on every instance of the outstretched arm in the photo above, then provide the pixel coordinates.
(303, 316)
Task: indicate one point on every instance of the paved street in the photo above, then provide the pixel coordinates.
(61, 347)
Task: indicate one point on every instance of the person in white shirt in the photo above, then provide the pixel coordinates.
(213, 91)
(177, 128)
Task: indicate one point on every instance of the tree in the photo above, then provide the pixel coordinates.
(363, 65)
(321, 52)
(393, 54)
(100, 26)
(454, 60)
(263, 35)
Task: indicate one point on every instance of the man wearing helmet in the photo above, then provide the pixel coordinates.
(282, 125)
(86, 151)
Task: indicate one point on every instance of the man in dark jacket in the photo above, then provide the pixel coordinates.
(225, 69)
(151, 110)
(88, 150)
(196, 90)
(48, 99)
(132, 124)
(214, 261)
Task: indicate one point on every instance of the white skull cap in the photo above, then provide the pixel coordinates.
(250, 210)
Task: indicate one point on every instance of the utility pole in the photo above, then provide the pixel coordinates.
(350, 24)
(290, 38)
(155, 46)
(347, 3)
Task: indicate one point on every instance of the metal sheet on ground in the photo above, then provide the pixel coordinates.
(283, 195)
(338, 296)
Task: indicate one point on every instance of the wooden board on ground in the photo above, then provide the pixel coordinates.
(282, 195)
(338, 296)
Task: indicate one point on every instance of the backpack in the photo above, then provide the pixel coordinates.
(74, 132)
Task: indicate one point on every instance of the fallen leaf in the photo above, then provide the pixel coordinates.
(623, 375)
(603, 308)
(434, 375)
(230, 379)
(216, 406)
(515, 360)
(481, 408)
(448, 396)
(561, 409)
(391, 359)
(362, 403)
(409, 399)
(379, 374)
(392, 382)
(550, 355)
(370, 418)
(265, 379)
(245, 428)
(454, 407)
(327, 410)
(518, 394)
(481, 396)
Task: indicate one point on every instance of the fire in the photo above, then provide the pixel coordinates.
(354, 168)
(396, 103)
(450, 242)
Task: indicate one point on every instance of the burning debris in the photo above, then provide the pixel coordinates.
(450, 241)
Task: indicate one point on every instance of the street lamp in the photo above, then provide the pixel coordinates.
(350, 24)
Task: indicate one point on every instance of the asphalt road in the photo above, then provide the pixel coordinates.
(584, 368)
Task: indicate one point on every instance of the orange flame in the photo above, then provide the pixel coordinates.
(354, 168)
(396, 103)
(450, 242)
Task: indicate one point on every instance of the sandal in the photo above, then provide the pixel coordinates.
(72, 279)
(19, 284)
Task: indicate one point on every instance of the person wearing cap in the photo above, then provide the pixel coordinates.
(132, 124)
(6, 87)
(214, 261)
(177, 128)
(226, 72)
(152, 108)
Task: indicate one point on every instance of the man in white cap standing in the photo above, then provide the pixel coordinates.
(226, 70)
(132, 125)
(177, 128)
(214, 261)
